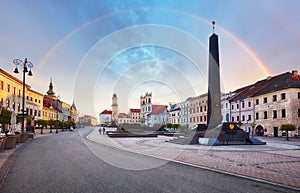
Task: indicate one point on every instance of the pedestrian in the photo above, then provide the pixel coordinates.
(100, 130)
(103, 130)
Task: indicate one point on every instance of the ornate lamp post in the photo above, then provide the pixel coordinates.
(25, 65)
(57, 99)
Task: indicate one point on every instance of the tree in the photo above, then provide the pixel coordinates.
(5, 116)
(287, 128)
(51, 123)
(42, 123)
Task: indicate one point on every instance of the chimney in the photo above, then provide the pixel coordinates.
(295, 74)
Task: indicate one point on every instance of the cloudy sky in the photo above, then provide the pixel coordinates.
(93, 48)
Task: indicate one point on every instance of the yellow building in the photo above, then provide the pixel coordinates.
(73, 113)
(11, 90)
(11, 96)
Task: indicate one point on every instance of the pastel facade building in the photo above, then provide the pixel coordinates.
(146, 107)
(124, 118)
(135, 116)
(278, 104)
(198, 110)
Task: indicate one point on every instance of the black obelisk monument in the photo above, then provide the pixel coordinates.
(214, 117)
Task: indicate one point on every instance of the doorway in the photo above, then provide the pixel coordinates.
(275, 131)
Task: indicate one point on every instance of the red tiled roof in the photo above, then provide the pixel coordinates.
(124, 115)
(106, 112)
(135, 110)
(259, 86)
(157, 109)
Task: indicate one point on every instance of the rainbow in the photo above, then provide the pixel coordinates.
(248, 50)
(261, 64)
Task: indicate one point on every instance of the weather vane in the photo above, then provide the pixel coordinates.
(213, 23)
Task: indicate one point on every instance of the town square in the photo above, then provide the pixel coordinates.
(149, 96)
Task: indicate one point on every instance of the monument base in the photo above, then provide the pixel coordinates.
(223, 134)
(208, 141)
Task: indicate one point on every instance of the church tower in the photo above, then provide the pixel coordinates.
(51, 92)
(114, 108)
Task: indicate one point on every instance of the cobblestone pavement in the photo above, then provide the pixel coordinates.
(276, 162)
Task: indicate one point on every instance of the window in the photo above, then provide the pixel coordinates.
(243, 118)
(257, 101)
(298, 95)
(200, 108)
(249, 104)
(2, 85)
(265, 99)
(265, 115)
(243, 105)
(249, 117)
(204, 108)
(274, 98)
(256, 116)
(275, 114)
(237, 106)
(8, 88)
(283, 114)
(227, 104)
(238, 118)
(232, 119)
(14, 90)
(282, 96)
(298, 112)
(232, 107)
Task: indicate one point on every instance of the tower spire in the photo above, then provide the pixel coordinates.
(51, 92)
(213, 24)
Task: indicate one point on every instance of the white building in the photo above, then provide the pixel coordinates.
(146, 107)
(174, 114)
(105, 117)
(154, 117)
(184, 113)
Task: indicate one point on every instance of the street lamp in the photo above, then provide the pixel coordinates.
(25, 65)
(57, 99)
